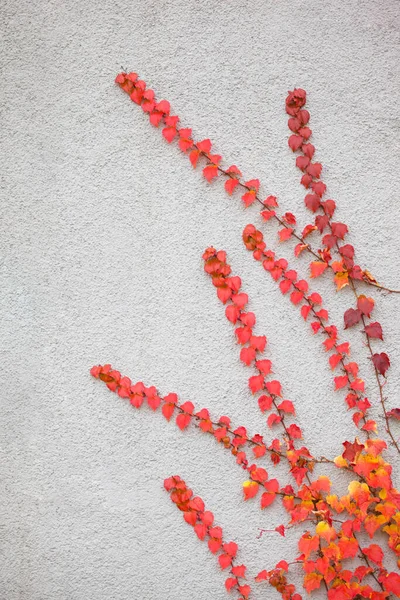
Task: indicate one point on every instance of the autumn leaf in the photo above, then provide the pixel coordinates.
(312, 581)
(339, 230)
(239, 570)
(374, 553)
(352, 450)
(341, 382)
(312, 202)
(326, 531)
(308, 544)
(265, 403)
(230, 583)
(295, 141)
(381, 362)
(210, 171)
(249, 197)
(374, 330)
(294, 431)
(394, 414)
(274, 387)
(169, 133)
(281, 530)
(352, 316)
(284, 234)
(256, 383)
(273, 419)
(247, 355)
(204, 146)
(366, 305)
(230, 548)
(267, 499)
(391, 583)
(224, 560)
(230, 185)
(200, 530)
(190, 518)
(250, 489)
(317, 268)
(341, 280)
(287, 407)
(314, 169)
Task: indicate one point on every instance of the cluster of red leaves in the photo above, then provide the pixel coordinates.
(310, 304)
(365, 460)
(270, 398)
(345, 268)
(202, 522)
(372, 504)
(237, 440)
(345, 271)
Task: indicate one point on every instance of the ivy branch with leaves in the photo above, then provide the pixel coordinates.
(333, 555)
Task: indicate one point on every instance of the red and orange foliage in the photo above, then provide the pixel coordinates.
(332, 551)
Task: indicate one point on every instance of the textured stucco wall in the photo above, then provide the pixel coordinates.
(103, 226)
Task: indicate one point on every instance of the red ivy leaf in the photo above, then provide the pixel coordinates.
(224, 560)
(374, 330)
(312, 202)
(352, 316)
(339, 230)
(272, 419)
(274, 387)
(284, 234)
(169, 133)
(267, 498)
(295, 141)
(341, 382)
(204, 145)
(374, 553)
(287, 407)
(365, 305)
(230, 185)
(391, 583)
(351, 450)
(230, 583)
(210, 171)
(394, 414)
(239, 570)
(231, 548)
(381, 362)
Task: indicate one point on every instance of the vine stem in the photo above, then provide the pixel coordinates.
(300, 238)
(378, 381)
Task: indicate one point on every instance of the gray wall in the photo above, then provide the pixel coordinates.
(103, 226)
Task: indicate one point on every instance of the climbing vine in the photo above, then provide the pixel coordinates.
(332, 552)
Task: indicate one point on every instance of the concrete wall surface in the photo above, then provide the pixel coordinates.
(103, 226)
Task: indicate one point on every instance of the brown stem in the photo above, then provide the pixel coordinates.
(378, 381)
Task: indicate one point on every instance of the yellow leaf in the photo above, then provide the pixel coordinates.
(341, 280)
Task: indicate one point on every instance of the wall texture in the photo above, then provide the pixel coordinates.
(103, 227)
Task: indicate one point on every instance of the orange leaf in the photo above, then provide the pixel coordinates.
(312, 581)
(317, 268)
